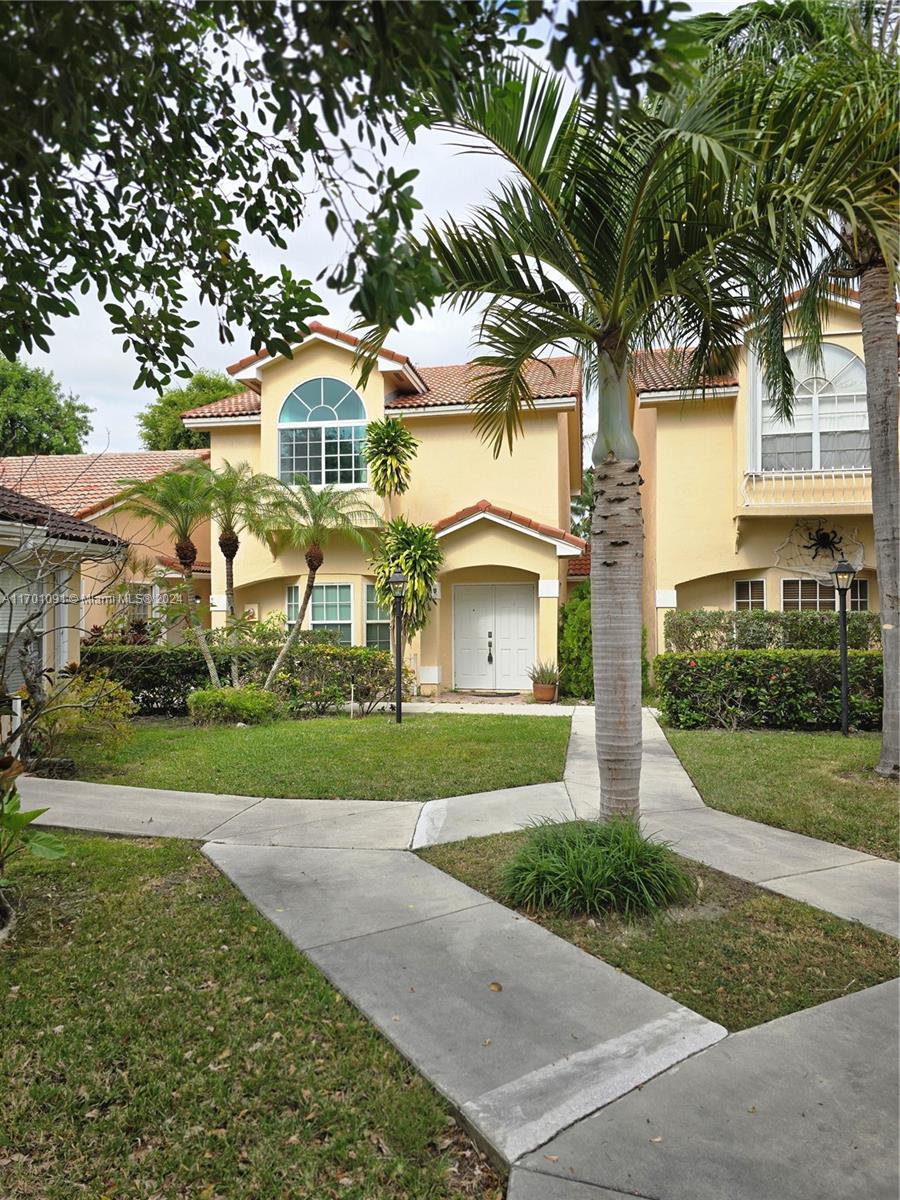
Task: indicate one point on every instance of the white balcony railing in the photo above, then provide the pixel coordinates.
(816, 489)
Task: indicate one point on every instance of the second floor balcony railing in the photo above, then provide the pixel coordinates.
(844, 488)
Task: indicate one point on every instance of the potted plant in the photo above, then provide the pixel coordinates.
(544, 679)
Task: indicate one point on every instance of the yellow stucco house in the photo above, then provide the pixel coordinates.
(733, 497)
(503, 523)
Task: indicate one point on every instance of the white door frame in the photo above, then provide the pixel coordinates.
(489, 583)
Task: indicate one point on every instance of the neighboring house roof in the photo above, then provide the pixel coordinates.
(580, 567)
(15, 507)
(666, 370)
(83, 484)
(548, 378)
(172, 564)
(326, 331)
(505, 516)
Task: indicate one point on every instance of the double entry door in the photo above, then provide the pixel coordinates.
(493, 636)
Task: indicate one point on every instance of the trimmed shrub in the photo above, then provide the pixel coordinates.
(768, 689)
(699, 629)
(593, 868)
(228, 705)
(319, 676)
(576, 660)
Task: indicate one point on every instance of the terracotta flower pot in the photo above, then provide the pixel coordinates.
(544, 693)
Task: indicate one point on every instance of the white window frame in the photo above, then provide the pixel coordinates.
(808, 579)
(749, 606)
(322, 624)
(322, 425)
(367, 622)
(757, 397)
(837, 599)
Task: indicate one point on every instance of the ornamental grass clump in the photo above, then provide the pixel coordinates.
(585, 867)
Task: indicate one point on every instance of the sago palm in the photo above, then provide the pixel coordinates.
(608, 237)
(828, 71)
(308, 518)
(179, 501)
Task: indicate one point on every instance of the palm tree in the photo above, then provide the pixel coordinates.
(308, 518)
(240, 501)
(607, 238)
(390, 450)
(416, 551)
(837, 221)
(178, 500)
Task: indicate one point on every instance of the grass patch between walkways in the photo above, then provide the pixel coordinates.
(161, 1039)
(820, 784)
(739, 956)
(373, 758)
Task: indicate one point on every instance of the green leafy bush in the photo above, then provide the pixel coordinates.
(693, 630)
(768, 689)
(17, 832)
(576, 659)
(229, 705)
(593, 868)
(322, 679)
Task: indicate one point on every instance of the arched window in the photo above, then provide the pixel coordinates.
(321, 430)
(830, 429)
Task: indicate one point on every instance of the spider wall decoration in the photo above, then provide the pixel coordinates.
(824, 541)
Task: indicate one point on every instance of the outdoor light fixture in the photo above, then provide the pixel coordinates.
(397, 584)
(843, 574)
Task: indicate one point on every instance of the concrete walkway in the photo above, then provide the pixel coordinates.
(561, 1065)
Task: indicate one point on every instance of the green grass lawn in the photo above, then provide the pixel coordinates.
(367, 759)
(161, 1039)
(739, 956)
(820, 784)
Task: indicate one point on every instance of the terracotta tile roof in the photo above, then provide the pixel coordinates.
(580, 567)
(548, 378)
(485, 506)
(200, 567)
(82, 484)
(244, 404)
(665, 370)
(18, 508)
(326, 331)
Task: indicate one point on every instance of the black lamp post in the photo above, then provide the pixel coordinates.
(397, 583)
(843, 574)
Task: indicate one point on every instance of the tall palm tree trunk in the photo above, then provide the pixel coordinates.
(200, 633)
(228, 544)
(878, 317)
(617, 557)
(295, 632)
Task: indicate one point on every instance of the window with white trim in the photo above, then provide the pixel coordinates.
(807, 595)
(378, 621)
(292, 605)
(749, 593)
(331, 607)
(321, 433)
(830, 426)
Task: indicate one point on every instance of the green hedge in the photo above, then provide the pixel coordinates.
(576, 661)
(767, 689)
(318, 677)
(229, 705)
(698, 629)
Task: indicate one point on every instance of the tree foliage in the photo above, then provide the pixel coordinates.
(390, 450)
(36, 416)
(141, 143)
(416, 551)
(160, 422)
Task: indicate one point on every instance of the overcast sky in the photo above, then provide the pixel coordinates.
(89, 361)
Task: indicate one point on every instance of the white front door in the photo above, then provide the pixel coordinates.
(493, 636)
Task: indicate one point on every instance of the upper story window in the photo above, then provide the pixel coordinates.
(321, 430)
(830, 429)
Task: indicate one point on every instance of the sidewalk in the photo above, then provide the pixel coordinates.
(560, 1064)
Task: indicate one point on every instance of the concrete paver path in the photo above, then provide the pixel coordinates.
(568, 1069)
